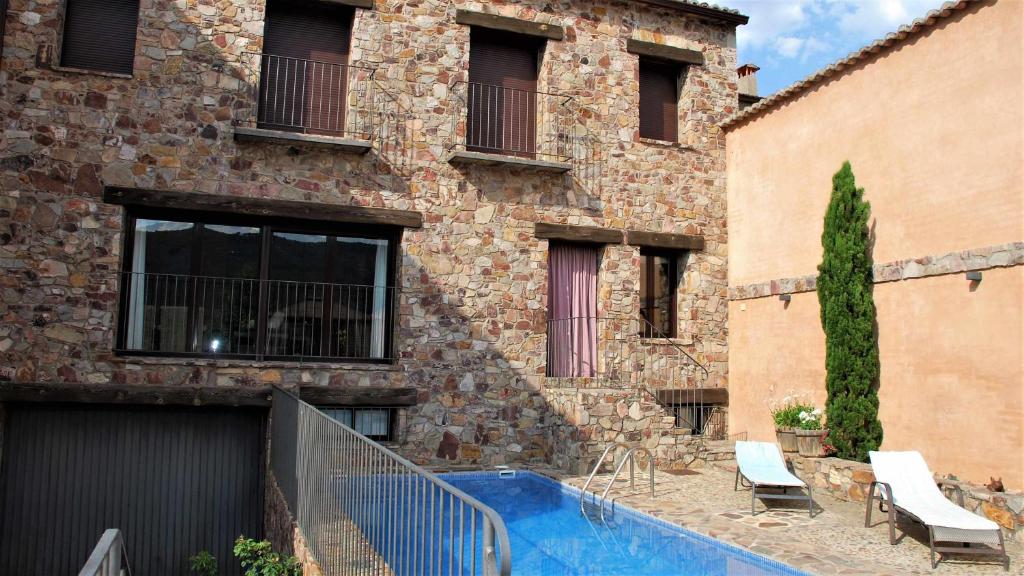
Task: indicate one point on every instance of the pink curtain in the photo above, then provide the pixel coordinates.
(572, 310)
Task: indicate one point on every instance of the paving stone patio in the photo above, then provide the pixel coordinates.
(834, 541)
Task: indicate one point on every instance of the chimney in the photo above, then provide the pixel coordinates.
(748, 79)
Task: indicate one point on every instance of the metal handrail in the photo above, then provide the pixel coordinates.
(339, 483)
(106, 557)
(662, 336)
(597, 466)
(632, 475)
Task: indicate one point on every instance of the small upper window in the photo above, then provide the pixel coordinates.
(100, 35)
(659, 100)
(374, 423)
(658, 280)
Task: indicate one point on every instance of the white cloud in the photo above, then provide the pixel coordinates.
(782, 30)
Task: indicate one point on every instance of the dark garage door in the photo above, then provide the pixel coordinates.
(174, 480)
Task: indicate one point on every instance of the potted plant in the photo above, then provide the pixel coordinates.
(810, 434)
(787, 420)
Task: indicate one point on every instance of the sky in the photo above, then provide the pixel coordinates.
(791, 39)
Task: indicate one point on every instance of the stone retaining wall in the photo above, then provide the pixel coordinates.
(850, 481)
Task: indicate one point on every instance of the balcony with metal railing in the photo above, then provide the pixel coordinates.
(500, 125)
(254, 319)
(295, 99)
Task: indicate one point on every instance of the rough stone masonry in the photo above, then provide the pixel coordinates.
(470, 333)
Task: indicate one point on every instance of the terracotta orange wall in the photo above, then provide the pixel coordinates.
(952, 368)
(935, 133)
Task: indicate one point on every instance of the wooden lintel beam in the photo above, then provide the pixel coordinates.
(507, 24)
(261, 207)
(133, 394)
(326, 395)
(664, 240)
(663, 52)
(591, 234)
(693, 396)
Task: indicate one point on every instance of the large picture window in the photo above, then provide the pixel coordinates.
(659, 276)
(266, 290)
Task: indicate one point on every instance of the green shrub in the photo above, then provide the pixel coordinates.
(845, 282)
(258, 559)
(788, 416)
(204, 564)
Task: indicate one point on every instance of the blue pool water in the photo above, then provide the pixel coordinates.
(550, 537)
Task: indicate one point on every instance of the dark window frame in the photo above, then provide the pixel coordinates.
(700, 412)
(62, 45)
(676, 72)
(267, 226)
(392, 411)
(648, 269)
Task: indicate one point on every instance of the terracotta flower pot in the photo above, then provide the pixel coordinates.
(787, 439)
(809, 442)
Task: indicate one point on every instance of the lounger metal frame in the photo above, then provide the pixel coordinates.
(742, 480)
(883, 496)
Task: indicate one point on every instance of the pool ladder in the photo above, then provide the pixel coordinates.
(631, 458)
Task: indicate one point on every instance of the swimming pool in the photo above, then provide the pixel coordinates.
(550, 537)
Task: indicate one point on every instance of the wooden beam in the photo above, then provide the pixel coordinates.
(693, 396)
(132, 394)
(663, 52)
(591, 234)
(495, 22)
(354, 3)
(662, 240)
(325, 395)
(261, 207)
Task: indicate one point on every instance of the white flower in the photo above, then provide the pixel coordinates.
(817, 412)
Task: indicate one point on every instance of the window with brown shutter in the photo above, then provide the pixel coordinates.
(3, 22)
(659, 100)
(304, 71)
(502, 93)
(100, 35)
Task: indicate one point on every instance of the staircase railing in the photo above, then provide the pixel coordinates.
(107, 557)
(634, 354)
(365, 510)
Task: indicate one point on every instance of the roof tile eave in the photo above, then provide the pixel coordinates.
(772, 101)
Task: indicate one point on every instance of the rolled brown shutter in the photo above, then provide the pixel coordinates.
(502, 93)
(304, 74)
(100, 35)
(3, 24)
(659, 100)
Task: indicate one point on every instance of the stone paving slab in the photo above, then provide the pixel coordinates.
(834, 541)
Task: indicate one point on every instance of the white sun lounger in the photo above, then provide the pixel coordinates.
(903, 479)
(762, 466)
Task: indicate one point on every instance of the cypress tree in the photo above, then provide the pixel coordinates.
(848, 319)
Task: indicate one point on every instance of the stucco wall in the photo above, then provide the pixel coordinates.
(471, 325)
(934, 130)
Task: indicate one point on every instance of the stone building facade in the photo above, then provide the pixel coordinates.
(470, 323)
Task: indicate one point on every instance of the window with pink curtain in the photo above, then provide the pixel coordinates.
(572, 310)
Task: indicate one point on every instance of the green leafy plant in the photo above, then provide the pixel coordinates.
(845, 283)
(204, 564)
(259, 559)
(788, 415)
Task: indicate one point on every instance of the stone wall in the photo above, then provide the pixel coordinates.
(470, 328)
(582, 422)
(851, 481)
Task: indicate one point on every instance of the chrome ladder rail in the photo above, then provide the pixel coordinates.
(631, 458)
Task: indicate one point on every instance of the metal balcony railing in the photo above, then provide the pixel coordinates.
(170, 314)
(312, 97)
(514, 122)
(365, 510)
